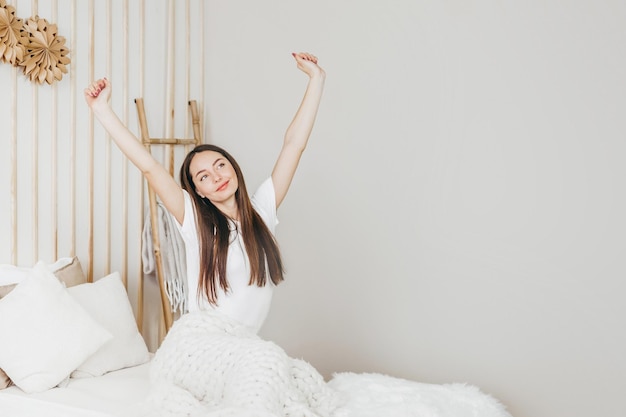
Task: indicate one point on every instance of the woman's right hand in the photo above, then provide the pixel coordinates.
(97, 94)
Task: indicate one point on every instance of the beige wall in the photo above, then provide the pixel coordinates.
(458, 214)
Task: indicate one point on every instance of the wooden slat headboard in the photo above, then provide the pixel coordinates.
(65, 190)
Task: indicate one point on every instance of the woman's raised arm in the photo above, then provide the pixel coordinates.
(97, 97)
(299, 130)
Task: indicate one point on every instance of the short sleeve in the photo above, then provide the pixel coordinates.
(188, 228)
(264, 202)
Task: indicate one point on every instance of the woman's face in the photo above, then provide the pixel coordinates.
(214, 176)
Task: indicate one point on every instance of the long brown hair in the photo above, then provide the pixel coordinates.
(214, 234)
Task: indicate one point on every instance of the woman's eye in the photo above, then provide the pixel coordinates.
(203, 177)
(220, 165)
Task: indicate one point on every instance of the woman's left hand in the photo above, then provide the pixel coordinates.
(308, 64)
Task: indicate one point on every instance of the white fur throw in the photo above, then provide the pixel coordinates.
(208, 365)
(376, 395)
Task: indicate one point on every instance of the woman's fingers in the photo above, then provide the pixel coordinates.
(96, 87)
(306, 56)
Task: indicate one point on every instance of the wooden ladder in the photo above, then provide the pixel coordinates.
(168, 317)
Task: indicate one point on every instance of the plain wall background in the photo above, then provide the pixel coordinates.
(458, 215)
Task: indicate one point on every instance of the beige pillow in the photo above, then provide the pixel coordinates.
(5, 289)
(5, 381)
(68, 270)
(71, 273)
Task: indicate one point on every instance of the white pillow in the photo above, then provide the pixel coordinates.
(11, 274)
(107, 302)
(46, 334)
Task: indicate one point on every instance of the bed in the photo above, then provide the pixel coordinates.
(116, 393)
(72, 348)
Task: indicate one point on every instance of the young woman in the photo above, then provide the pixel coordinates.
(233, 261)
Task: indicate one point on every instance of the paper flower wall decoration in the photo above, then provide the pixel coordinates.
(11, 35)
(45, 52)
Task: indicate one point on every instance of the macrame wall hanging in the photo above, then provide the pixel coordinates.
(33, 45)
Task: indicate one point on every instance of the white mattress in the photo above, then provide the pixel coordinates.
(116, 394)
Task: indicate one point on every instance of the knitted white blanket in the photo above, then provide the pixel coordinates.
(211, 366)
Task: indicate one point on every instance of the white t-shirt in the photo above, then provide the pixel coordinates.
(248, 304)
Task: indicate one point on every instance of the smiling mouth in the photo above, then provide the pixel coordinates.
(223, 186)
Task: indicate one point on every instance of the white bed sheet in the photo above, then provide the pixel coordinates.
(116, 394)
(122, 393)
